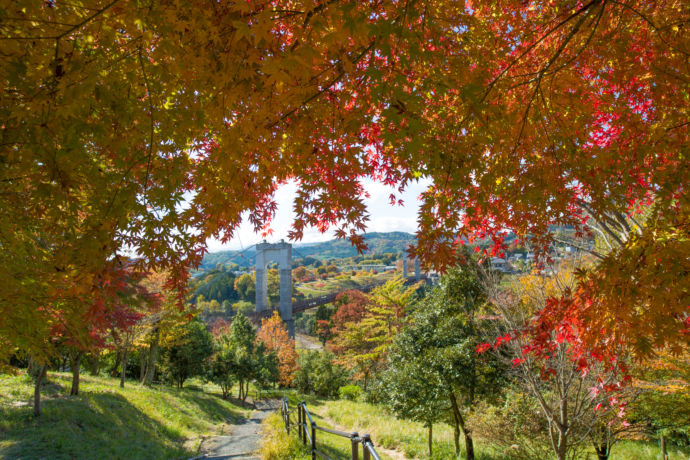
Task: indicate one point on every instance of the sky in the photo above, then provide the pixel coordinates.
(383, 217)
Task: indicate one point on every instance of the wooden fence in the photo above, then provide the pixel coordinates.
(307, 429)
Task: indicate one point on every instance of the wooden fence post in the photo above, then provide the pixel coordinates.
(304, 426)
(365, 452)
(355, 446)
(313, 441)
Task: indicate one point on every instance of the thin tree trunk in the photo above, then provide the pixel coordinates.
(460, 423)
(37, 388)
(31, 368)
(142, 366)
(75, 364)
(602, 451)
(118, 360)
(431, 437)
(469, 445)
(456, 420)
(125, 352)
(94, 364)
(153, 356)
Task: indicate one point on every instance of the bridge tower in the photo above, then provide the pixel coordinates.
(417, 268)
(281, 253)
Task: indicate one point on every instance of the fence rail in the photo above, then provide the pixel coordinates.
(307, 428)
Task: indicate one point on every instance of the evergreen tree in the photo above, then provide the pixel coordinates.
(434, 362)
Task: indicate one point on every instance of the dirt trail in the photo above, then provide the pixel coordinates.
(306, 342)
(243, 440)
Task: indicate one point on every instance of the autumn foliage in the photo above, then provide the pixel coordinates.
(152, 127)
(276, 338)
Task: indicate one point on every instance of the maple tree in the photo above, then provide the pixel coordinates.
(154, 127)
(580, 401)
(352, 306)
(163, 316)
(275, 337)
(662, 404)
(364, 326)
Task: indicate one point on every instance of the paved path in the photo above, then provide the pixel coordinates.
(243, 440)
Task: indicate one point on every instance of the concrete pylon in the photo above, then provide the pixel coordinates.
(281, 253)
(405, 267)
(417, 271)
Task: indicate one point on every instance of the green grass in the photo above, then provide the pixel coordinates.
(401, 435)
(331, 445)
(640, 450)
(411, 437)
(277, 445)
(105, 421)
(330, 285)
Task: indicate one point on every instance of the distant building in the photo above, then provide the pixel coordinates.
(502, 265)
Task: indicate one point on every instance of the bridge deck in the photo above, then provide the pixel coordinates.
(313, 302)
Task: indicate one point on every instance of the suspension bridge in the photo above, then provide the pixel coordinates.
(281, 253)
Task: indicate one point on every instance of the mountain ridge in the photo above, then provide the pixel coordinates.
(378, 242)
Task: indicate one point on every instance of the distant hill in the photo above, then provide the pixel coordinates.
(379, 243)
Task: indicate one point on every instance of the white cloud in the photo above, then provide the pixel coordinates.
(383, 216)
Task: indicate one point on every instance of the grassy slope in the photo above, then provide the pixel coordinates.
(410, 437)
(105, 421)
(327, 286)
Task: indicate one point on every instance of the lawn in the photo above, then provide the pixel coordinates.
(106, 421)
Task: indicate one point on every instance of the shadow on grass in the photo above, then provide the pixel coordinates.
(97, 425)
(213, 407)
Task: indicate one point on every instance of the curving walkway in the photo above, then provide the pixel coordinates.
(243, 440)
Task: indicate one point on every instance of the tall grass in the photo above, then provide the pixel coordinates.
(410, 438)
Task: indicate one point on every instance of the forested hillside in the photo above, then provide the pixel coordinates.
(389, 242)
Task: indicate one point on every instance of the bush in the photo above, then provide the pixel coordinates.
(515, 426)
(350, 392)
(318, 374)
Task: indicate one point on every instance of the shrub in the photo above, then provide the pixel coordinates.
(318, 374)
(350, 392)
(516, 426)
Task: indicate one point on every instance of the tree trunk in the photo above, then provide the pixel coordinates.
(431, 437)
(664, 454)
(125, 352)
(31, 367)
(460, 423)
(456, 438)
(118, 360)
(456, 423)
(75, 364)
(469, 445)
(142, 366)
(153, 356)
(37, 388)
(94, 364)
(602, 451)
